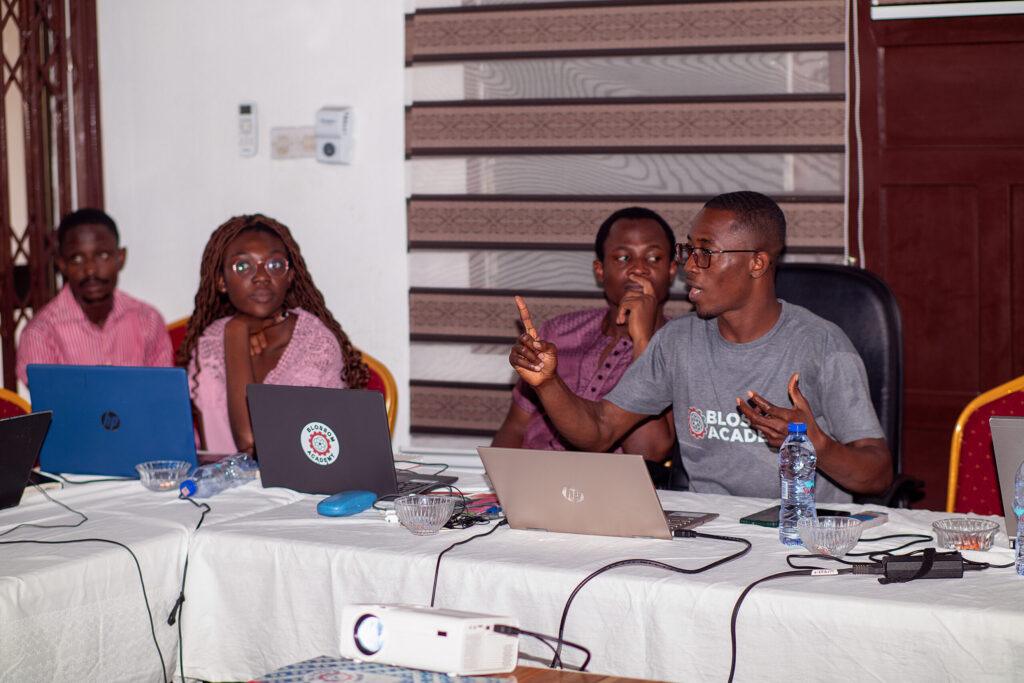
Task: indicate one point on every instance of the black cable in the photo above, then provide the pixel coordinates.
(917, 538)
(176, 611)
(24, 525)
(417, 463)
(680, 533)
(437, 567)
(89, 481)
(138, 568)
(739, 601)
(514, 631)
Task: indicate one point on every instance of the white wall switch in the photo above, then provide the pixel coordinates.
(334, 135)
(247, 130)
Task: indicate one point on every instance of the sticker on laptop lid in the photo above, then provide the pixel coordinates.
(319, 443)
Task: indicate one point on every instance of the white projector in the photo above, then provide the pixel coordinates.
(442, 640)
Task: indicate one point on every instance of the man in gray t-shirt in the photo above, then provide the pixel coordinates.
(736, 372)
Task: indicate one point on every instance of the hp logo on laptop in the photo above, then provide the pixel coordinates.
(571, 494)
(110, 421)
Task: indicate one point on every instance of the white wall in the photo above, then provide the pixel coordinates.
(172, 74)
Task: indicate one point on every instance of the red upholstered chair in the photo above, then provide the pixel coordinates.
(973, 486)
(177, 332)
(383, 381)
(12, 405)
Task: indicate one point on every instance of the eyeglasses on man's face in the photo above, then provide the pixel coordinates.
(702, 256)
(275, 267)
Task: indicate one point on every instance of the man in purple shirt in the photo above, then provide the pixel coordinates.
(634, 248)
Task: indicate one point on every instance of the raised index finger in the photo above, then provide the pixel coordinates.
(524, 315)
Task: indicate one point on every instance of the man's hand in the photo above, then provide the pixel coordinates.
(639, 309)
(773, 421)
(861, 466)
(533, 358)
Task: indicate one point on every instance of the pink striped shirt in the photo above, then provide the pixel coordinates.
(60, 334)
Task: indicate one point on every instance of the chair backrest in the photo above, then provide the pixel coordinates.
(383, 381)
(12, 405)
(973, 483)
(177, 332)
(864, 307)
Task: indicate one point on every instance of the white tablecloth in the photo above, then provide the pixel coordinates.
(76, 612)
(265, 591)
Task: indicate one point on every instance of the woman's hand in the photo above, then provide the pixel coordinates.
(254, 329)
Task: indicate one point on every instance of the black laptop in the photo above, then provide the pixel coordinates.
(21, 438)
(317, 440)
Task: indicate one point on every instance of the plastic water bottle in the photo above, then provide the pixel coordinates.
(209, 480)
(1018, 509)
(797, 461)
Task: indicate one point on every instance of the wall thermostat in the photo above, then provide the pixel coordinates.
(334, 135)
(247, 131)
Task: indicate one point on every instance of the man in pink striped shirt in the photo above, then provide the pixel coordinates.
(91, 322)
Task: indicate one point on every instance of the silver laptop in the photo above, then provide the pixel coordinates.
(603, 494)
(1008, 448)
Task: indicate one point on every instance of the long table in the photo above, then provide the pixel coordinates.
(266, 591)
(72, 606)
(267, 578)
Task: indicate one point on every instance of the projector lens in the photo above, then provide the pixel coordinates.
(369, 634)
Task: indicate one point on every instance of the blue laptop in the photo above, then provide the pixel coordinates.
(108, 419)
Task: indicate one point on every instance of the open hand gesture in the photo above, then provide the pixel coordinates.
(773, 421)
(533, 358)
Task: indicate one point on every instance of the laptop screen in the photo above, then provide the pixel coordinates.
(108, 419)
(1008, 448)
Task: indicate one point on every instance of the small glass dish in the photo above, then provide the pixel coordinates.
(163, 475)
(424, 515)
(964, 533)
(833, 536)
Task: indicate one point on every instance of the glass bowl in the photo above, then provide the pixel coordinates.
(163, 475)
(964, 533)
(833, 536)
(424, 515)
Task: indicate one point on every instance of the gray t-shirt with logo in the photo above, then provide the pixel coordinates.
(690, 366)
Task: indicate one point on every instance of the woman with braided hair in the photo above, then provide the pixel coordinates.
(258, 319)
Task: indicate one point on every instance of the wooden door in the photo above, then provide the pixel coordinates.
(942, 132)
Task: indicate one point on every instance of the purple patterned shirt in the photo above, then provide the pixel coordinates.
(580, 344)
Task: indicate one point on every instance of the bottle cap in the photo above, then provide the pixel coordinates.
(187, 488)
(798, 427)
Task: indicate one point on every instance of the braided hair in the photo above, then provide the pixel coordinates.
(211, 304)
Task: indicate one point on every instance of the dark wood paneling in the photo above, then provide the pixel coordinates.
(948, 312)
(943, 152)
(971, 97)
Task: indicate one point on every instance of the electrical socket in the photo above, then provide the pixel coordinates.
(292, 142)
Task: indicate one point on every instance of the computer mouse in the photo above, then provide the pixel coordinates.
(346, 503)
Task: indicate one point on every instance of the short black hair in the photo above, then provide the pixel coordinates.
(756, 214)
(85, 216)
(634, 213)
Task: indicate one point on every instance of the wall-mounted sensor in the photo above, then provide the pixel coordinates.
(334, 135)
(247, 131)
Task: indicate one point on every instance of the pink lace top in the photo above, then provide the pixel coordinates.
(311, 359)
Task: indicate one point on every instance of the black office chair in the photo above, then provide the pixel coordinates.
(864, 307)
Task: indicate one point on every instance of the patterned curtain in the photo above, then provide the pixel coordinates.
(530, 123)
